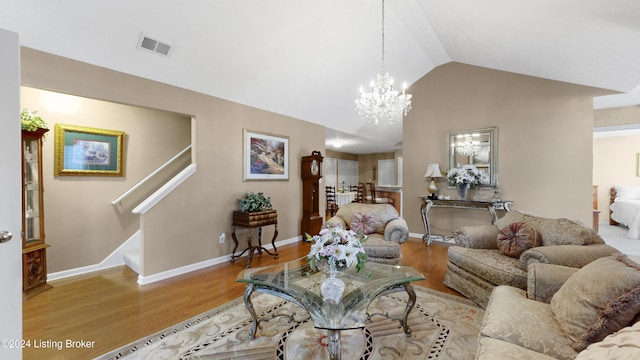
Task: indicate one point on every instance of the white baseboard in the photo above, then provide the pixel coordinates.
(415, 236)
(116, 258)
(418, 237)
(148, 279)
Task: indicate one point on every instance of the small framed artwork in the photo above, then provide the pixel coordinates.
(84, 151)
(265, 156)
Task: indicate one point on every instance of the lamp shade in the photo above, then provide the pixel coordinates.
(433, 171)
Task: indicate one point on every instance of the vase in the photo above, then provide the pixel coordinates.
(463, 189)
(332, 287)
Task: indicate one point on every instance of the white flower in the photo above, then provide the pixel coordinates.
(335, 244)
(468, 174)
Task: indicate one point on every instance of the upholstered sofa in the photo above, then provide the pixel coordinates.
(566, 313)
(385, 229)
(475, 266)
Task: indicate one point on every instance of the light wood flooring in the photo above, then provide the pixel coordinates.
(109, 309)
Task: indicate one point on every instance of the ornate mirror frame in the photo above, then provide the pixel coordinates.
(477, 147)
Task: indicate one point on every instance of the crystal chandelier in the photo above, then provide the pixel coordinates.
(382, 102)
(468, 146)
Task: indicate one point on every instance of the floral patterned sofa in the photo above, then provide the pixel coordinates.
(591, 313)
(476, 266)
(382, 224)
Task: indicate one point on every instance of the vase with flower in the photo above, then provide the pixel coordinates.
(464, 178)
(335, 249)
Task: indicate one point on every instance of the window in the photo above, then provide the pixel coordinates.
(387, 172)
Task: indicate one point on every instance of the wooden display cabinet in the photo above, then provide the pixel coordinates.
(34, 248)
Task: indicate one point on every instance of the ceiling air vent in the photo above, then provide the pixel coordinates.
(156, 46)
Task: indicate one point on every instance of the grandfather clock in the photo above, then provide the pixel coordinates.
(311, 174)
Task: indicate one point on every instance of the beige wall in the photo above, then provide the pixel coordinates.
(544, 146)
(185, 228)
(617, 116)
(79, 217)
(341, 155)
(366, 162)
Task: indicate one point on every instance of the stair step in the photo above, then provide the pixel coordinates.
(132, 259)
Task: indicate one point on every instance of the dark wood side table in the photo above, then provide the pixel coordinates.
(253, 220)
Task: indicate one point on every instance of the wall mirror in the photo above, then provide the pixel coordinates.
(478, 147)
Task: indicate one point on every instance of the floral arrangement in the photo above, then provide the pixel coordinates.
(337, 246)
(467, 174)
(30, 121)
(253, 202)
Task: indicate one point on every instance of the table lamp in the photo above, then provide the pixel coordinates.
(433, 171)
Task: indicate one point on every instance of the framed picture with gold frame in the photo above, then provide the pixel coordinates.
(85, 151)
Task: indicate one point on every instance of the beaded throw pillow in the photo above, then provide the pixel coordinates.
(517, 237)
(363, 223)
(599, 299)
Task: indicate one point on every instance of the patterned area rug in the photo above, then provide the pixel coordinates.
(443, 327)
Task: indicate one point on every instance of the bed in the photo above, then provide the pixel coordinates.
(625, 208)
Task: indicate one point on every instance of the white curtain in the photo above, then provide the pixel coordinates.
(329, 172)
(348, 174)
(339, 173)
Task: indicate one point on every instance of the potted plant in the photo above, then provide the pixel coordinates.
(253, 202)
(31, 122)
(255, 210)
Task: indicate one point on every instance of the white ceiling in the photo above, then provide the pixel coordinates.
(308, 58)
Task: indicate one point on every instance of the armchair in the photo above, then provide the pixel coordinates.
(384, 228)
(562, 315)
(476, 266)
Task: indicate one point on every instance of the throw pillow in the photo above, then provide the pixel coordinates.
(599, 299)
(553, 231)
(363, 223)
(514, 239)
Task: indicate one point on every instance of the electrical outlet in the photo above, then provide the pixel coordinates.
(222, 236)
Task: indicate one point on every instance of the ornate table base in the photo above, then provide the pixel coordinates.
(332, 334)
(491, 206)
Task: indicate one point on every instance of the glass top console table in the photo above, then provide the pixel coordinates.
(296, 282)
(491, 206)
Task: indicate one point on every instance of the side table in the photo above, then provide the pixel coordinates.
(251, 221)
(491, 206)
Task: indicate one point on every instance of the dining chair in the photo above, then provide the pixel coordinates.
(373, 198)
(359, 193)
(332, 205)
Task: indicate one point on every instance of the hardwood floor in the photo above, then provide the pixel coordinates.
(109, 309)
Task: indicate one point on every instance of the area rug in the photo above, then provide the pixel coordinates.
(443, 327)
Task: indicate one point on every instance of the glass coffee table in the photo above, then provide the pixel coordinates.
(296, 282)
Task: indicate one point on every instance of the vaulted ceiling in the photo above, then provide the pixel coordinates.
(308, 58)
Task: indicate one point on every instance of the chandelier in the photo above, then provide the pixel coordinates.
(382, 102)
(468, 146)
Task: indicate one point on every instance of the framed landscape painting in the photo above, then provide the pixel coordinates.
(84, 151)
(265, 156)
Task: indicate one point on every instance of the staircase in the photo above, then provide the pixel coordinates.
(148, 192)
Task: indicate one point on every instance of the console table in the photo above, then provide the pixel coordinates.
(251, 221)
(491, 206)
